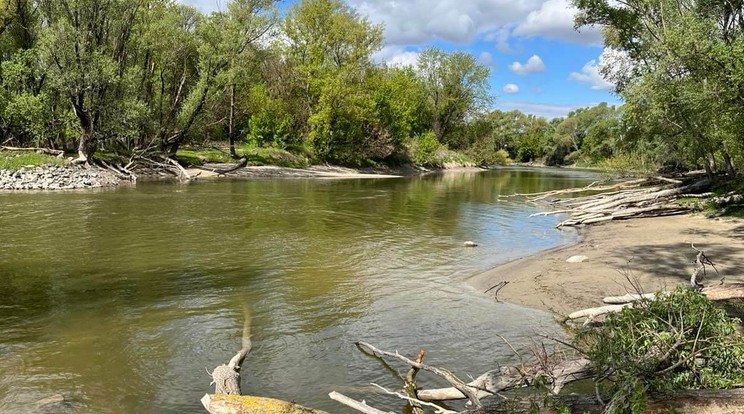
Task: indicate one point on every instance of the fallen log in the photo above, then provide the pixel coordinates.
(508, 378)
(246, 404)
(683, 402)
(470, 392)
(221, 171)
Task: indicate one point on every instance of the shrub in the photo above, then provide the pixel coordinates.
(679, 341)
(424, 149)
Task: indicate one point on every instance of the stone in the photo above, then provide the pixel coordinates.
(577, 259)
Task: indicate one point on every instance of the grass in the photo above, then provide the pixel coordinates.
(17, 160)
(255, 155)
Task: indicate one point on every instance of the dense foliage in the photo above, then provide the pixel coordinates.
(678, 66)
(153, 75)
(120, 75)
(679, 341)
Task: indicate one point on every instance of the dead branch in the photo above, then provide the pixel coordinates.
(242, 164)
(466, 390)
(508, 378)
(226, 378)
(178, 166)
(498, 288)
(410, 385)
(360, 406)
(416, 402)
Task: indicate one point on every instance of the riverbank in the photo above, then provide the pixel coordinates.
(56, 177)
(655, 252)
(210, 171)
(72, 177)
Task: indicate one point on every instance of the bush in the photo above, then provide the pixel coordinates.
(484, 154)
(679, 341)
(424, 149)
(630, 165)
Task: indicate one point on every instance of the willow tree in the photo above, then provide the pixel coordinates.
(685, 80)
(457, 87)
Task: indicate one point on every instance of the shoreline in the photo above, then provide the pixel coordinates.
(654, 252)
(76, 177)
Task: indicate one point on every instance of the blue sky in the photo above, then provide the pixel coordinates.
(539, 64)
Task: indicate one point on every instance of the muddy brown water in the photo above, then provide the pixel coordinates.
(119, 299)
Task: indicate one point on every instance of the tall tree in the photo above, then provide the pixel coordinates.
(457, 87)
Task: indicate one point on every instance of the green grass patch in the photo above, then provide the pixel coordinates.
(273, 156)
(255, 155)
(16, 160)
(200, 156)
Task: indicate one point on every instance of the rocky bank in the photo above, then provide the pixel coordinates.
(56, 177)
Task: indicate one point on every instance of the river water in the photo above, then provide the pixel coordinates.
(119, 299)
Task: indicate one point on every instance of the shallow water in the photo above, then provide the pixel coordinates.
(119, 299)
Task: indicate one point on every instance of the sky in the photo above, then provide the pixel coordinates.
(539, 63)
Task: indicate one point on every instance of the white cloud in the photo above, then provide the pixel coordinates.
(511, 88)
(540, 109)
(418, 22)
(555, 20)
(397, 56)
(206, 6)
(533, 65)
(590, 74)
(486, 59)
(458, 21)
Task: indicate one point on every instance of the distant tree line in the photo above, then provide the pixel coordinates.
(126, 75)
(153, 75)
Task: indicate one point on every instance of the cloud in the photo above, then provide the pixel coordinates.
(486, 59)
(396, 56)
(418, 22)
(540, 109)
(533, 65)
(206, 6)
(555, 20)
(590, 74)
(457, 21)
(511, 88)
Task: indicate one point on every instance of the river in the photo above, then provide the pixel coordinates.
(119, 299)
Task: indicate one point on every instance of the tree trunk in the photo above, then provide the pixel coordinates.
(730, 170)
(230, 125)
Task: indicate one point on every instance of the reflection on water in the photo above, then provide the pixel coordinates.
(119, 299)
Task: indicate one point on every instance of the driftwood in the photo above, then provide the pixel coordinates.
(635, 199)
(467, 391)
(245, 404)
(714, 293)
(508, 378)
(553, 372)
(221, 171)
(360, 406)
(683, 402)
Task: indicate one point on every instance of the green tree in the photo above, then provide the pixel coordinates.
(457, 88)
(686, 63)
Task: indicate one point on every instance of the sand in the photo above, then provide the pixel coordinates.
(654, 251)
(321, 172)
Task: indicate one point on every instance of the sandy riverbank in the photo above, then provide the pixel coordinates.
(656, 251)
(318, 171)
